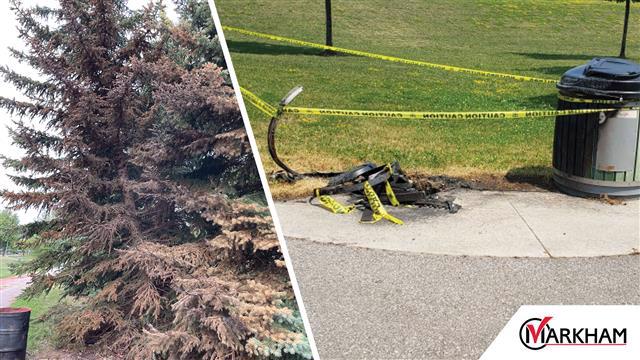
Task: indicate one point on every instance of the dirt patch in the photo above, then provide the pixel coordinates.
(493, 182)
(611, 201)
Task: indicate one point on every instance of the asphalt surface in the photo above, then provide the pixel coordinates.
(377, 304)
(10, 289)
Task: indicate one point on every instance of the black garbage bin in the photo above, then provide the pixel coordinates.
(597, 154)
(14, 329)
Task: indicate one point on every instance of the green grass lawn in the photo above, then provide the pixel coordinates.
(5, 263)
(540, 38)
(40, 332)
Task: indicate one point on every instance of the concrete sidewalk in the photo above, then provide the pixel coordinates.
(490, 223)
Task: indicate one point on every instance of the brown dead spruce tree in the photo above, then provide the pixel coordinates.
(129, 136)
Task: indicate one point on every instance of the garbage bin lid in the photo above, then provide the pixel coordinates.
(604, 77)
(612, 68)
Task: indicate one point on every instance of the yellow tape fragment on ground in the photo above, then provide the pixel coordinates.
(389, 58)
(390, 194)
(333, 205)
(470, 115)
(258, 103)
(379, 211)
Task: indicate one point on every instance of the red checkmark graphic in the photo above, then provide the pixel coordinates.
(536, 332)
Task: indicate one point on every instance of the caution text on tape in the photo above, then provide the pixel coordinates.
(470, 115)
(461, 115)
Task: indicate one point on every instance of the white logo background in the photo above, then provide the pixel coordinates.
(507, 344)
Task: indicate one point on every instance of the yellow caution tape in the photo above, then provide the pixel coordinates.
(588, 101)
(379, 211)
(388, 58)
(263, 109)
(253, 97)
(389, 190)
(259, 103)
(333, 205)
(472, 115)
(391, 195)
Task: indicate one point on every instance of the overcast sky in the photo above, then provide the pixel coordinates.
(9, 38)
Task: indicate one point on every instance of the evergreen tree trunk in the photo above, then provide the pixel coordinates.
(623, 47)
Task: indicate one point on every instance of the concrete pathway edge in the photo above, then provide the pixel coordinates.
(491, 223)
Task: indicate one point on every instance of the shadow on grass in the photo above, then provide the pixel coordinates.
(537, 176)
(553, 71)
(544, 56)
(260, 48)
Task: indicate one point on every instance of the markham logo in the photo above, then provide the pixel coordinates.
(536, 334)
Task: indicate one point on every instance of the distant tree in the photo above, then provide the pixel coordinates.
(141, 128)
(10, 231)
